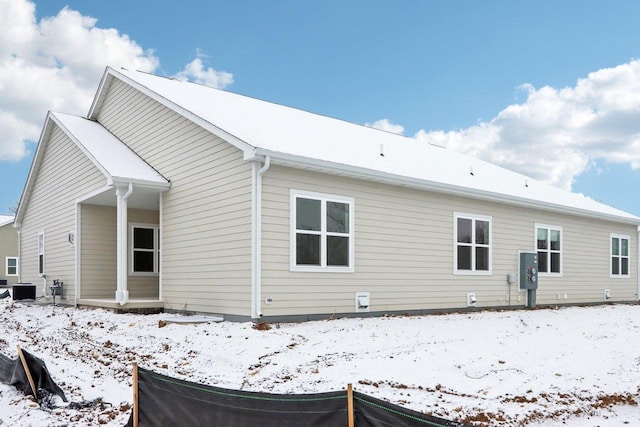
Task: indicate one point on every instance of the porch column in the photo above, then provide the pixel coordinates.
(122, 194)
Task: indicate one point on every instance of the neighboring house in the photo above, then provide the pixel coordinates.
(9, 272)
(178, 196)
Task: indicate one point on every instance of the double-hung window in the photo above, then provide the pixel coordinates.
(41, 253)
(549, 248)
(145, 248)
(321, 232)
(11, 266)
(619, 255)
(472, 237)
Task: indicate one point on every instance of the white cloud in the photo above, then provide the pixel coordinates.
(386, 125)
(196, 72)
(56, 64)
(557, 134)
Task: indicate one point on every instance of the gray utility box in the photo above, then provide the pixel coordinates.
(528, 270)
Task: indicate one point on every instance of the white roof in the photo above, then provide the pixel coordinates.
(5, 219)
(117, 161)
(303, 139)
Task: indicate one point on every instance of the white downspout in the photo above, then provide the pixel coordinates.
(256, 310)
(76, 247)
(19, 253)
(122, 293)
(638, 267)
(161, 245)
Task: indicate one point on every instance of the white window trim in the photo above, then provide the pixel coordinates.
(472, 272)
(561, 251)
(619, 236)
(156, 250)
(42, 253)
(6, 264)
(322, 268)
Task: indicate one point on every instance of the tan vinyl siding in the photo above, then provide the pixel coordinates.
(206, 229)
(98, 273)
(64, 174)
(404, 247)
(99, 263)
(8, 248)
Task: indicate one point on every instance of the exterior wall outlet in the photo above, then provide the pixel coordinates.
(607, 294)
(268, 300)
(362, 302)
(471, 299)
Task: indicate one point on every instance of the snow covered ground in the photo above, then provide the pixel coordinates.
(576, 366)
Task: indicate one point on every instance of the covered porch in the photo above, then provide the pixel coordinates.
(119, 248)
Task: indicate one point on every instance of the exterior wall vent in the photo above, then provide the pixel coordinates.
(362, 302)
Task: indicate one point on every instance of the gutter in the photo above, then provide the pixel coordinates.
(256, 238)
(389, 178)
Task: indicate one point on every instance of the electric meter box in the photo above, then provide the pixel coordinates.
(528, 270)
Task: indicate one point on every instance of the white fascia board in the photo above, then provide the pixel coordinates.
(117, 180)
(387, 178)
(101, 92)
(231, 139)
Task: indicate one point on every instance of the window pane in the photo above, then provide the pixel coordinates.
(307, 214)
(307, 249)
(337, 217)
(625, 266)
(482, 259)
(12, 266)
(464, 257)
(625, 247)
(542, 238)
(464, 231)
(615, 265)
(555, 263)
(482, 232)
(542, 262)
(143, 238)
(40, 264)
(555, 240)
(615, 246)
(143, 261)
(338, 251)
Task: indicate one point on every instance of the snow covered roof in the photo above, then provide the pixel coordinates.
(5, 219)
(117, 161)
(301, 139)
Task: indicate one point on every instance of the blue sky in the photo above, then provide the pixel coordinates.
(550, 89)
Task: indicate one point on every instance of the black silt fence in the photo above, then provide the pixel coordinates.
(12, 372)
(372, 412)
(161, 400)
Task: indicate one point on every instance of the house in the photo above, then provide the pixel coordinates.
(177, 196)
(8, 251)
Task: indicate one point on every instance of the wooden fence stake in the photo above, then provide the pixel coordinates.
(350, 405)
(135, 395)
(28, 372)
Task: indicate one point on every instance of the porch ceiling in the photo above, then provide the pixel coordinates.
(141, 198)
